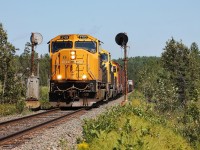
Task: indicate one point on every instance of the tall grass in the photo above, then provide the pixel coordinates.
(44, 98)
(7, 109)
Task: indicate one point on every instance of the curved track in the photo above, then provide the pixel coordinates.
(17, 131)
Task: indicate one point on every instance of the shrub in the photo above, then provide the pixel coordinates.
(20, 105)
(7, 109)
(44, 91)
(45, 104)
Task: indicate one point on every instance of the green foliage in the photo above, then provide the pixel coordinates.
(11, 109)
(44, 65)
(166, 95)
(194, 112)
(63, 144)
(20, 105)
(24, 61)
(182, 64)
(44, 69)
(93, 128)
(44, 92)
(149, 76)
(135, 127)
(7, 67)
(191, 124)
(44, 102)
(14, 70)
(7, 109)
(136, 64)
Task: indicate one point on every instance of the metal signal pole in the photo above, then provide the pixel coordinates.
(122, 39)
(32, 54)
(125, 72)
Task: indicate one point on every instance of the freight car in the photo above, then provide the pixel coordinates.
(82, 73)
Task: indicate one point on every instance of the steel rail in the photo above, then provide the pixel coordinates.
(19, 134)
(26, 117)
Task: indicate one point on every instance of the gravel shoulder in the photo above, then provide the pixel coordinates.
(64, 133)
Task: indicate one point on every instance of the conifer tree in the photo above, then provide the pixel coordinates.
(175, 60)
(7, 67)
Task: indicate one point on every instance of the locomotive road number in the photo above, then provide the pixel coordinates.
(66, 62)
(74, 61)
(79, 62)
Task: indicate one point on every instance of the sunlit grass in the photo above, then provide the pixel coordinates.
(134, 126)
(7, 109)
(11, 109)
(143, 135)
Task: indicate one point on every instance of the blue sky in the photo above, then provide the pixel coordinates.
(149, 24)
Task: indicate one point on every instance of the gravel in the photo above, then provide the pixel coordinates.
(65, 135)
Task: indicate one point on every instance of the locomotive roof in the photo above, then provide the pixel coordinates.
(74, 37)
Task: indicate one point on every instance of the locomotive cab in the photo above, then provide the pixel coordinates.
(107, 73)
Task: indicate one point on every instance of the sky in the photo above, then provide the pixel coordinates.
(149, 24)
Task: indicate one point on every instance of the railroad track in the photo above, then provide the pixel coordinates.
(17, 131)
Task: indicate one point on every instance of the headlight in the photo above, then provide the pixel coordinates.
(59, 77)
(73, 54)
(84, 77)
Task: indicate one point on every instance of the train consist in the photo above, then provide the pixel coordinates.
(82, 73)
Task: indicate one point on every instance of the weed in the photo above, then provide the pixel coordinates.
(63, 144)
(45, 104)
(133, 126)
(20, 105)
(7, 109)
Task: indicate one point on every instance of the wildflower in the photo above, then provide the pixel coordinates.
(83, 146)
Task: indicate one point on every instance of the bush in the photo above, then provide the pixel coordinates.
(191, 124)
(20, 105)
(44, 104)
(44, 91)
(131, 127)
(7, 109)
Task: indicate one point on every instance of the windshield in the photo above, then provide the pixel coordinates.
(104, 57)
(57, 45)
(88, 45)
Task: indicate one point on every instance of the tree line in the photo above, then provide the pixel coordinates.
(172, 80)
(14, 69)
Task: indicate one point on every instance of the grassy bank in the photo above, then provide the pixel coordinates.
(7, 109)
(19, 107)
(134, 126)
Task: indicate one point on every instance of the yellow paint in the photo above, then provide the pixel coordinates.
(107, 64)
(84, 63)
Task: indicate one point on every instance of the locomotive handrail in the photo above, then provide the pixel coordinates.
(73, 87)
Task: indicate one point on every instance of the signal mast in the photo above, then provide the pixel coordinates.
(122, 39)
(32, 93)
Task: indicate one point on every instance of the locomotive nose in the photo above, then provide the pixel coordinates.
(72, 65)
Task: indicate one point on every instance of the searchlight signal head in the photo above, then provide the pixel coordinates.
(121, 39)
